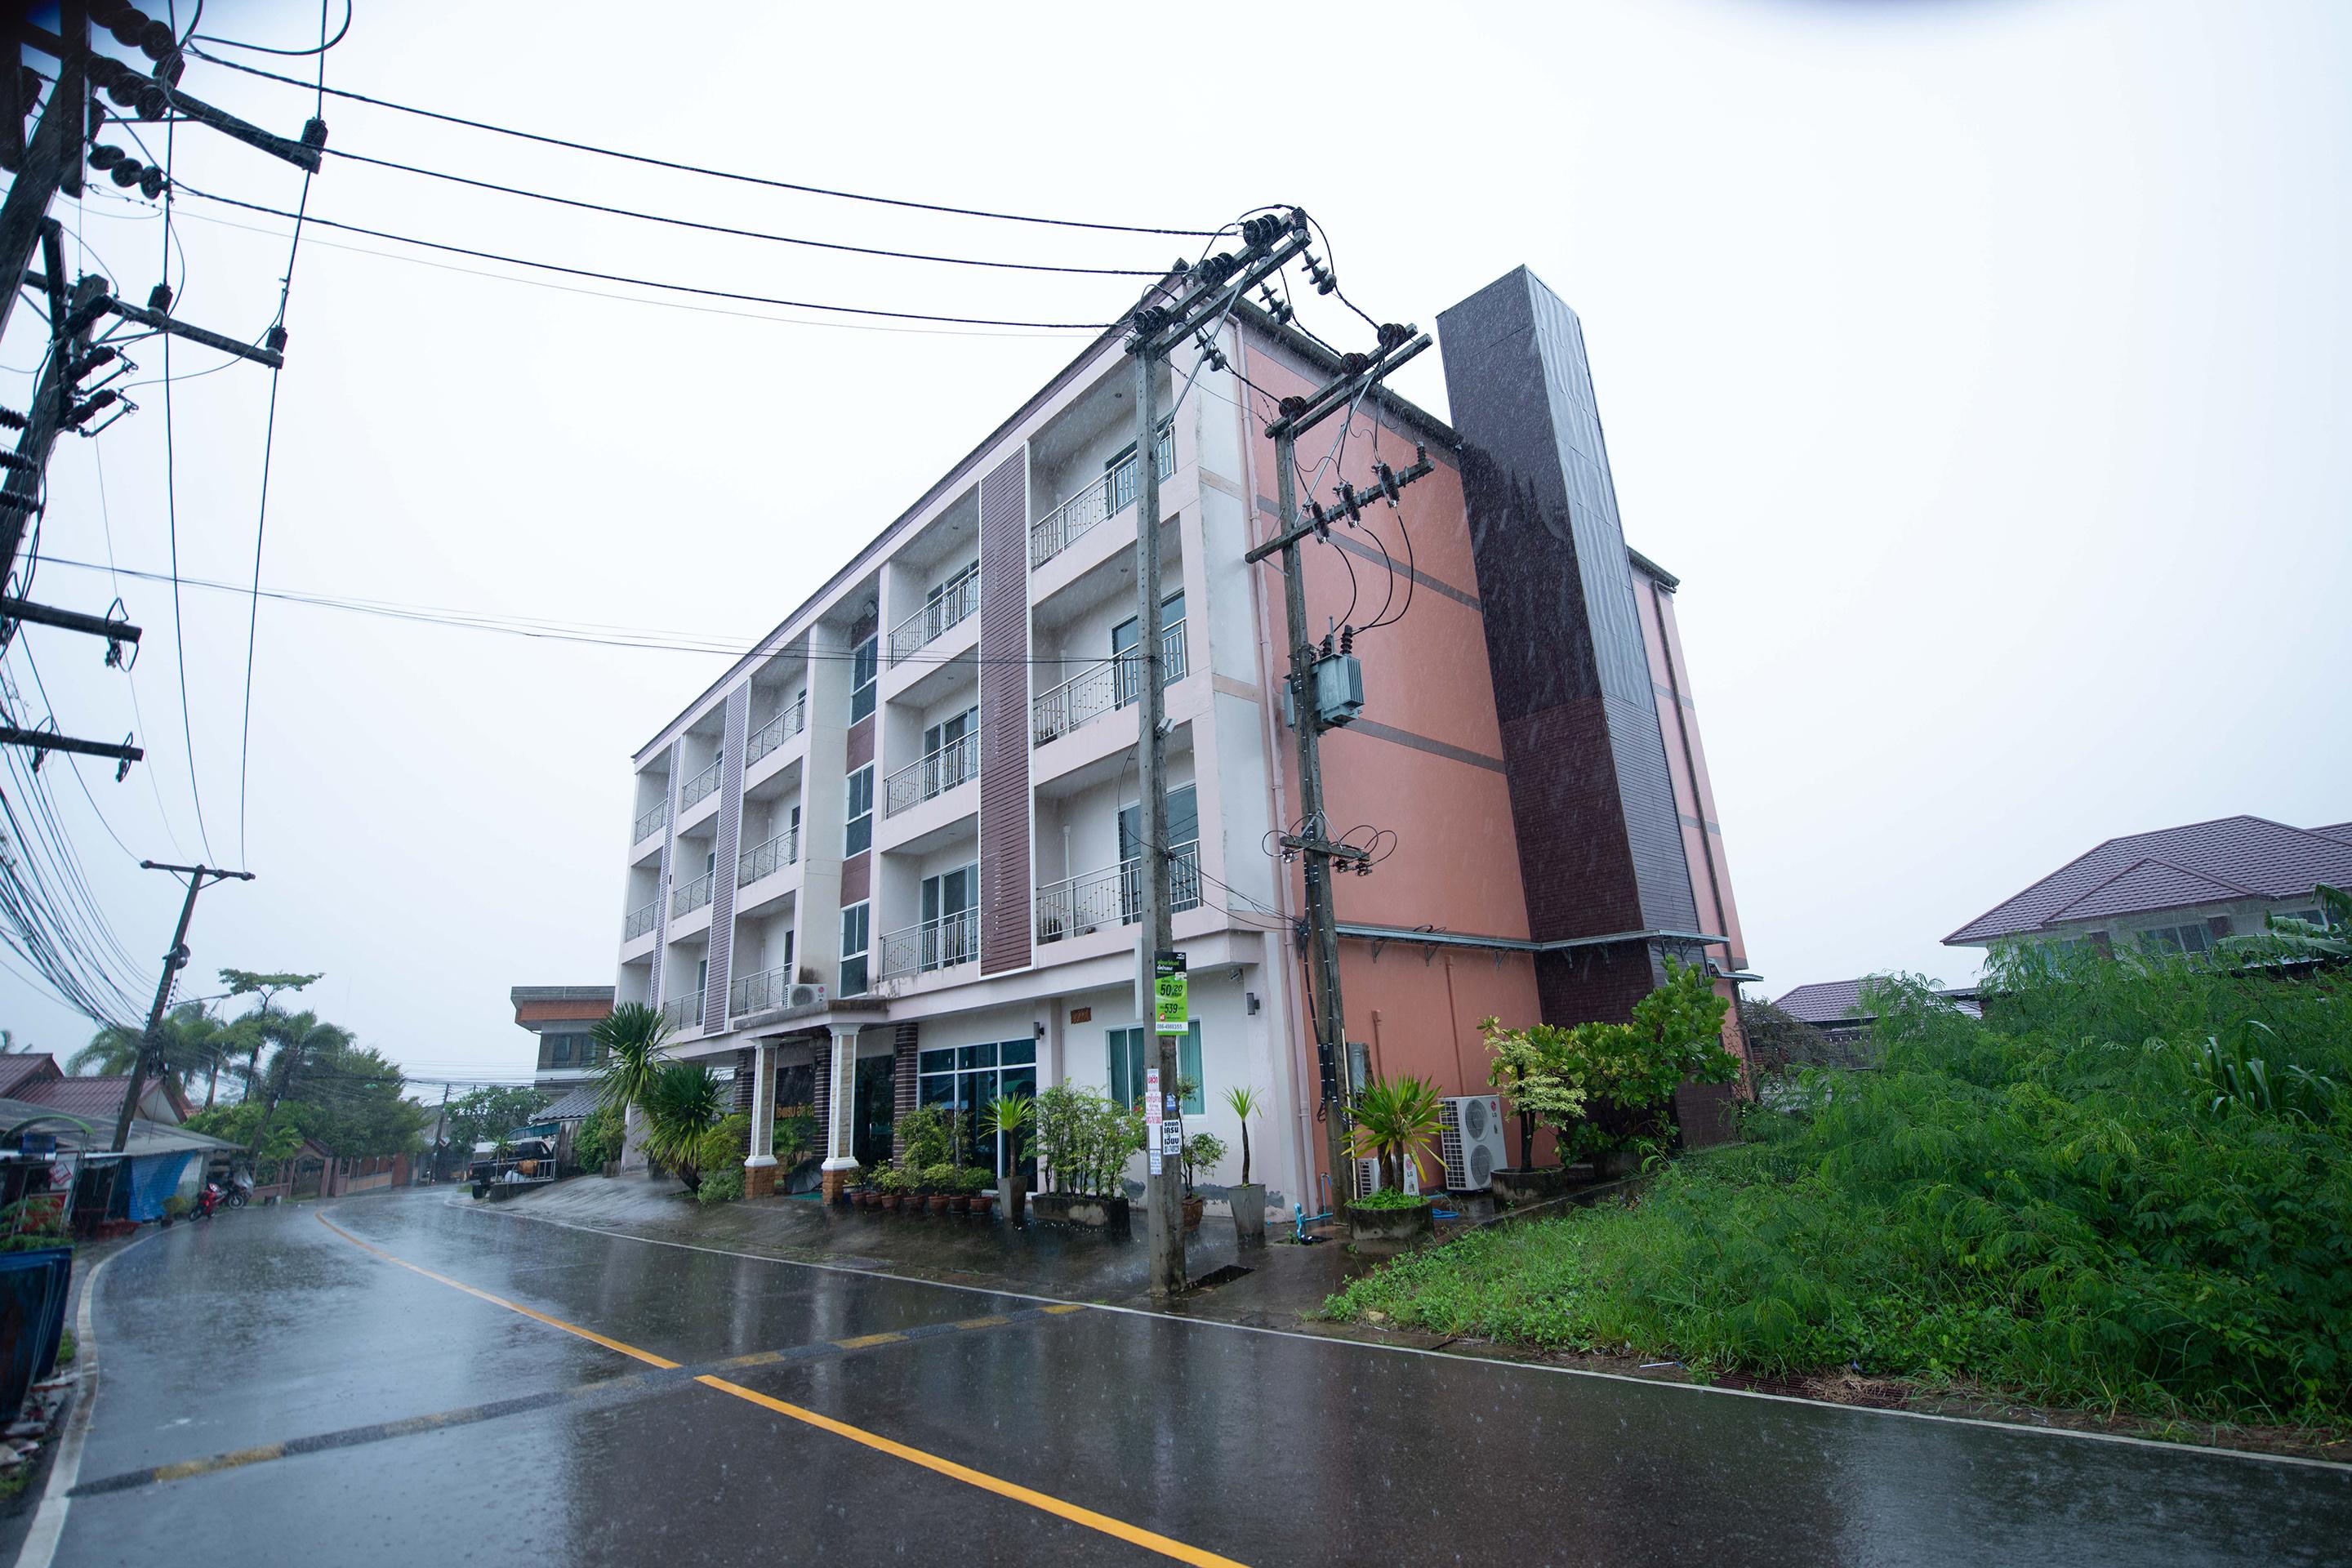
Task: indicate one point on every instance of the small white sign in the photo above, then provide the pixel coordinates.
(1151, 1119)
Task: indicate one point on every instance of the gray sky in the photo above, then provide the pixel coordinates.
(1980, 367)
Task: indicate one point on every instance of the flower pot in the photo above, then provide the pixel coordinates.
(982, 1202)
(890, 1201)
(1011, 1198)
(1249, 1212)
(1616, 1164)
(1094, 1212)
(1194, 1205)
(941, 1203)
(1384, 1227)
(1528, 1184)
(959, 1203)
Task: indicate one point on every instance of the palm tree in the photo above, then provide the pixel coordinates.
(684, 1102)
(1243, 1100)
(187, 1044)
(1396, 1119)
(296, 1036)
(631, 1036)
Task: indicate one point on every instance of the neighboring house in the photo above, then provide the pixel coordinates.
(2177, 889)
(1834, 1010)
(162, 1159)
(892, 853)
(37, 1079)
(560, 1122)
(562, 1017)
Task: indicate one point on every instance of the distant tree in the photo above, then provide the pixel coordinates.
(488, 1114)
(267, 987)
(188, 1046)
(1778, 1040)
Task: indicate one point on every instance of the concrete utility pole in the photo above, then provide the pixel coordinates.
(1312, 840)
(1203, 297)
(150, 1042)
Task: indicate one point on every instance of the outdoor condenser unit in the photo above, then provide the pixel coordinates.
(804, 996)
(1470, 1140)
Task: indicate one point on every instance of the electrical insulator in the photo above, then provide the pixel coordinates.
(1259, 232)
(1388, 486)
(105, 155)
(18, 462)
(1354, 364)
(93, 405)
(124, 92)
(1150, 319)
(151, 184)
(97, 359)
(1274, 307)
(153, 102)
(1219, 268)
(1394, 333)
(274, 339)
(12, 419)
(127, 25)
(158, 298)
(125, 173)
(157, 41)
(314, 132)
(1292, 407)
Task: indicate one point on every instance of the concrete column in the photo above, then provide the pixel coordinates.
(840, 1164)
(760, 1170)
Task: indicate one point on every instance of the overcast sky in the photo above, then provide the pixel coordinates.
(1980, 367)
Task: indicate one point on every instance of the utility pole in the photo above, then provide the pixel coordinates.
(1202, 298)
(440, 1132)
(150, 1042)
(1312, 713)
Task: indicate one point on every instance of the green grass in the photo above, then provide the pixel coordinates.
(2071, 1202)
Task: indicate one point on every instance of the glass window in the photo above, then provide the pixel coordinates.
(860, 834)
(862, 664)
(1129, 671)
(562, 1049)
(2192, 937)
(964, 1079)
(854, 941)
(1133, 1056)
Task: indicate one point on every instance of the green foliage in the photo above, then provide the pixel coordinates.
(720, 1184)
(682, 1104)
(176, 1207)
(1530, 1067)
(891, 1180)
(484, 1113)
(1242, 1100)
(973, 1181)
(1010, 1116)
(630, 1036)
(724, 1146)
(2054, 1201)
(1201, 1153)
(1778, 1040)
(31, 1224)
(1396, 1120)
(1084, 1140)
(939, 1178)
(1389, 1198)
(598, 1142)
(926, 1138)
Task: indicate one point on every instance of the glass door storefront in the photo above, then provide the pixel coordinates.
(964, 1079)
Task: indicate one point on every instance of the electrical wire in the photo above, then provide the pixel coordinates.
(745, 233)
(194, 36)
(712, 174)
(171, 515)
(653, 283)
(130, 672)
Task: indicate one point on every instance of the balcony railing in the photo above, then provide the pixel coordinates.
(941, 943)
(958, 600)
(758, 992)
(1100, 688)
(776, 731)
(937, 774)
(684, 1014)
(689, 895)
(769, 858)
(1102, 499)
(649, 823)
(698, 786)
(640, 922)
(1114, 895)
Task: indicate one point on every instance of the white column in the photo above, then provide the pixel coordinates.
(763, 1107)
(839, 1132)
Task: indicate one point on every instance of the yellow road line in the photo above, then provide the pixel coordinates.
(862, 1340)
(1119, 1529)
(220, 1462)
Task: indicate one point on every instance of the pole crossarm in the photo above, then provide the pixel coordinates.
(1352, 381)
(179, 329)
(105, 626)
(1326, 847)
(50, 740)
(174, 960)
(105, 70)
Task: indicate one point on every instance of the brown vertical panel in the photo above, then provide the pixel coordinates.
(858, 880)
(1005, 898)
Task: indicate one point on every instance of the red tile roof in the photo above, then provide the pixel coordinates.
(2174, 867)
(90, 1098)
(17, 1071)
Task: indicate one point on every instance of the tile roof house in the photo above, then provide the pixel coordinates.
(35, 1077)
(2178, 889)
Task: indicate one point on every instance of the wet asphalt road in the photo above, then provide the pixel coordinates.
(267, 1326)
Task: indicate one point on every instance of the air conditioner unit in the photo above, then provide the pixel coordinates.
(1470, 1140)
(1367, 1177)
(804, 996)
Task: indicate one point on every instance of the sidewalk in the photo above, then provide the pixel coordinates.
(1285, 1283)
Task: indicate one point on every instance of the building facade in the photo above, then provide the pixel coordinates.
(890, 857)
(559, 1018)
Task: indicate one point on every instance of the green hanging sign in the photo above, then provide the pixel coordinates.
(1170, 996)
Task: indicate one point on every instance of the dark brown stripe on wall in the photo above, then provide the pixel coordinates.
(857, 882)
(1424, 743)
(861, 745)
(1005, 904)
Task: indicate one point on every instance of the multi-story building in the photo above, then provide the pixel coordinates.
(559, 1018)
(893, 850)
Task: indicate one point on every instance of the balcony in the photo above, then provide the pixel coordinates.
(1099, 689)
(640, 922)
(769, 858)
(941, 943)
(776, 731)
(769, 989)
(684, 1014)
(1114, 896)
(687, 897)
(1105, 499)
(955, 602)
(699, 787)
(649, 823)
(935, 774)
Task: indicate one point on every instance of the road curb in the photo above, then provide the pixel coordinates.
(49, 1526)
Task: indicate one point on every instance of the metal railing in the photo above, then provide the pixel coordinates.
(776, 731)
(684, 1014)
(1100, 688)
(958, 599)
(649, 823)
(1104, 499)
(758, 992)
(698, 786)
(940, 943)
(690, 896)
(1114, 895)
(768, 858)
(938, 773)
(640, 922)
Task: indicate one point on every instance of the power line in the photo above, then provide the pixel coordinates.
(655, 283)
(712, 174)
(325, 43)
(172, 514)
(745, 233)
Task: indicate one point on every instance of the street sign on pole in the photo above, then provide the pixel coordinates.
(1152, 1103)
(1170, 996)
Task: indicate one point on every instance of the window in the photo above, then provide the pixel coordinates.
(964, 1079)
(948, 933)
(1129, 669)
(2310, 917)
(1133, 1056)
(2191, 938)
(861, 679)
(854, 936)
(1183, 826)
(562, 1055)
(860, 834)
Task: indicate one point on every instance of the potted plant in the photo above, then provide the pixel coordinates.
(973, 1182)
(940, 1186)
(891, 1187)
(1538, 1069)
(1247, 1198)
(1201, 1153)
(1396, 1120)
(1084, 1142)
(1010, 1117)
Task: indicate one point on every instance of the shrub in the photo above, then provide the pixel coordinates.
(1391, 1198)
(598, 1142)
(926, 1137)
(1084, 1140)
(720, 1184)
(1396, 1120)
